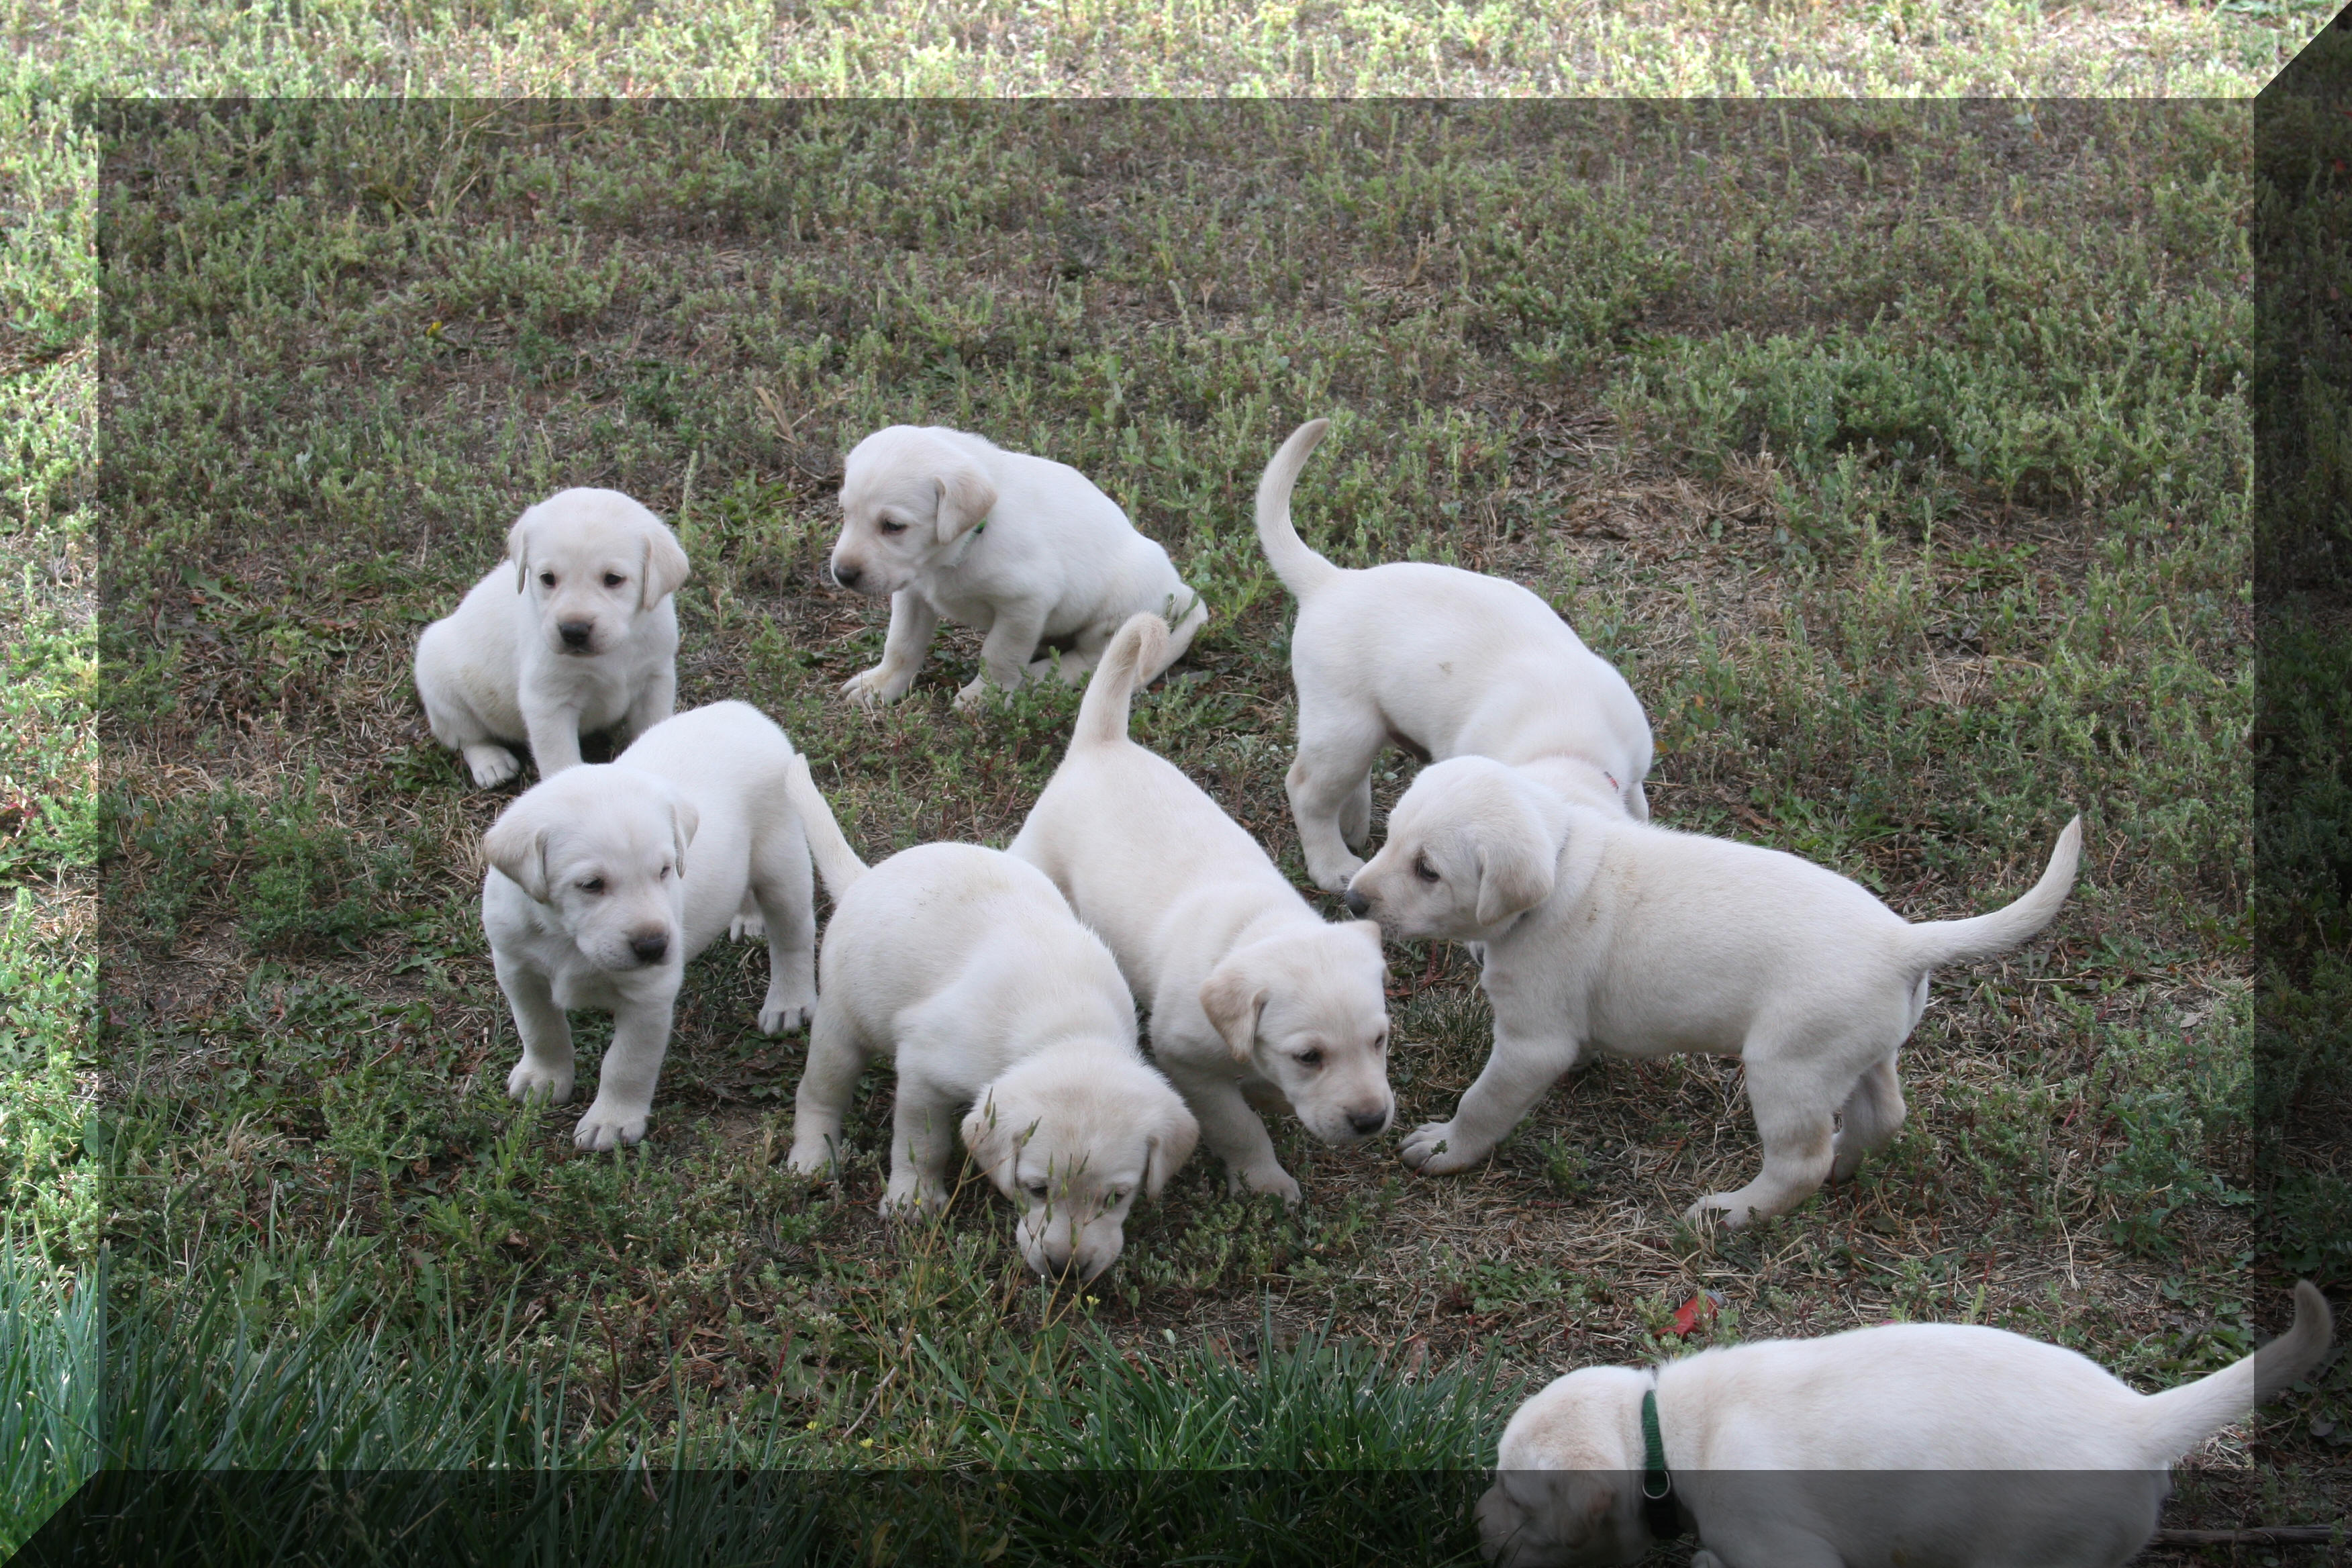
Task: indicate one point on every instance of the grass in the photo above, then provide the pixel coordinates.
(1899, 454)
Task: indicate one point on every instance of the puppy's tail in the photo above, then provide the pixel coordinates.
(2178, 1419)
(1140, 645)
(835, 860)
(1934, 942)
(1301, 570)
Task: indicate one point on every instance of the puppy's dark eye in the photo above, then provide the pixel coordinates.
(593, 885)
(889, 527)
(665, 870)
(1038, 1190)
(548, 578)
(1115, 1199)
(1313, 1058)
(1424, 869)
(614, 579)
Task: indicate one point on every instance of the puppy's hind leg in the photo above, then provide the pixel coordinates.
(1331, 774)
(836, 1058)
(784, 895)
(1872, 1116)
(1355, 815)
(1793, 1103)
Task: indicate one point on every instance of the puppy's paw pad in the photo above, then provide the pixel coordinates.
(598, 1133)
(1435, 1150)
(527, 1082)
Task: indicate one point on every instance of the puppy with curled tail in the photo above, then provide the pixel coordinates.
(1441, 663)
(1006, 1020)
(1601, 934)
(1251, 992)
(1946, 1443)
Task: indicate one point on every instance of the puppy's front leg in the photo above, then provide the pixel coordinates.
(624, 1083)
(546, 1067)
(784, 897)
(912, 624)
(653, 702)
(553, 731)
(1004, 652)
(1526, 1061)
(922, 1137)
(1233, 1130)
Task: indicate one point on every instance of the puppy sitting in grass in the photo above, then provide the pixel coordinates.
(574, 631)
(1443, 663)
(1250, 990)
(944, 524)
(1601, 934)
(1912, 1444)
(965, 966)
(604, 880)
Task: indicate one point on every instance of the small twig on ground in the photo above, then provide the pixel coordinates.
(2254, 1535)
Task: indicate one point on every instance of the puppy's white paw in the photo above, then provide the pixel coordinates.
(609, 1126)
(1434, 1149)
(491, 765)
(1333, 875)
(1272, 1179)
(811, 1156)
(869, 688)
(909, 1199)
(1730, 1210)
(979, 691)
(747, 924)
(781, 1015)
(530, 1078)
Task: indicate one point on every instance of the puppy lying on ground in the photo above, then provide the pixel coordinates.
(1921, 1444)
(604, 880)
(1249, 988)
(965, 965)
(1443, 663)
(578, 634)
(1609, 934)
(945, 524)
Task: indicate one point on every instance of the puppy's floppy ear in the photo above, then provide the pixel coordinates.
(1171, 1145)
(991, 1134)
(966, 498)
(1515, 873)
(1370, 932)
(519, 550)
(1233, 1000)
(664, 567)
(684, 821)
(517, 844)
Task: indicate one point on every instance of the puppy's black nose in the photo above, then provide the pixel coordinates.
(575, 633)
(649, 946)
(847, 575)
(1357, 903)
(1367, 1122)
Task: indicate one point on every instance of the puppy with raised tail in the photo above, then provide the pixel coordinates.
(965, 966)
(1602, 934)
(1442, 663)
(1250, 990)
(947, 525)
(574, 631)
(1911, 1445)
(606, 878)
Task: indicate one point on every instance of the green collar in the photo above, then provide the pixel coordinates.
(1658, 1509)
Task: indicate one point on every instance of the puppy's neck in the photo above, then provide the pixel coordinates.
(1576, 780)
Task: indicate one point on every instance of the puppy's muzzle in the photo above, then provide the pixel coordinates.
(847, 577)
(650, 946)
(1357, 905)
(575, 635)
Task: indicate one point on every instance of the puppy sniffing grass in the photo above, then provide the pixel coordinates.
(606, 878)
(1914, 1443)
(1601, 934)
(947, 525)
(1440, 661)
(575, 631)
(965, 966)
(1250, 990)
